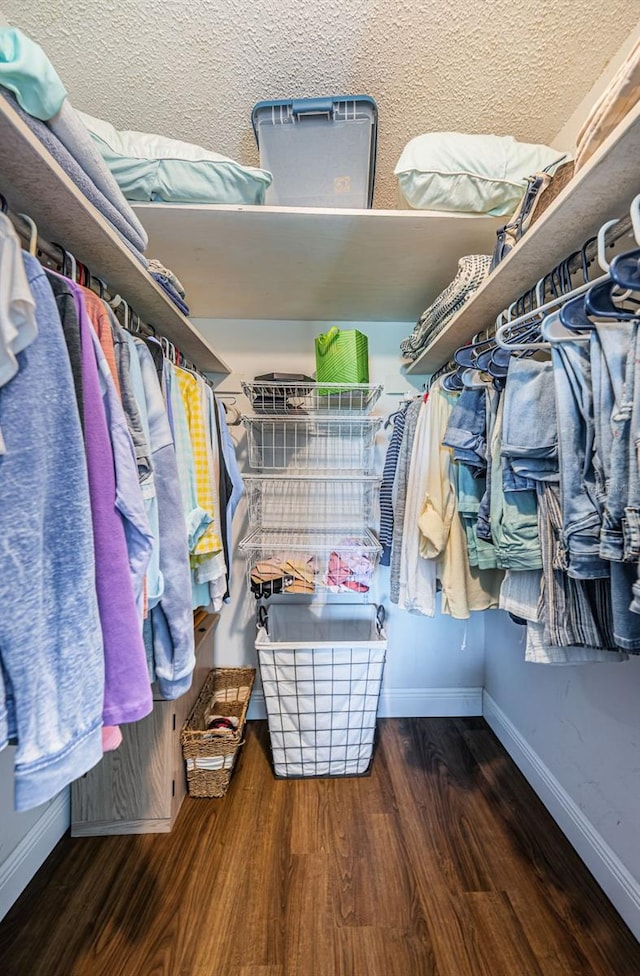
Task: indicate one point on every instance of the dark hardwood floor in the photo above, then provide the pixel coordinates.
(441, 863)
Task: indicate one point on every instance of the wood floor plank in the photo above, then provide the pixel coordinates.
(308, 918)
(500, 937)
(442, 862)
(554, 867)
(382, 952)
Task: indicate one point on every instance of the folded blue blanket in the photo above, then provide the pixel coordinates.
(175, 297)
(75, 172)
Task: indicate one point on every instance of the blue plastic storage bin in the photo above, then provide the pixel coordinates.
(321, 151)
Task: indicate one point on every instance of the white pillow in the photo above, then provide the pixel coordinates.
(469, 173)
(150, 167)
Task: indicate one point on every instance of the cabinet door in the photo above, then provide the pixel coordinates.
(139, 787)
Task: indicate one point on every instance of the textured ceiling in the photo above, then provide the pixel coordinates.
(193, 69)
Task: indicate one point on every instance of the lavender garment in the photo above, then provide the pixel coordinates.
(127, 695)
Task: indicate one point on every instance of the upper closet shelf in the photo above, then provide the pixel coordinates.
(285, 263)
(35, 184)
(602, 190)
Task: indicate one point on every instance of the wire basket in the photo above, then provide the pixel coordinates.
(326, 502)
(311, 563)
(321, 671)
(210, 753)
(306, 444)
(290, 398)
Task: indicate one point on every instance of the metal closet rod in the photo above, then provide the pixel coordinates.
(58, 256)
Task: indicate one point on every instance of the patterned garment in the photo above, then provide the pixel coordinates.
(386, 488)
(209, 541)
(400, 488)
(575, 612)
(472, 270)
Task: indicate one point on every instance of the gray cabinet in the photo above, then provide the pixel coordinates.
(139, 787)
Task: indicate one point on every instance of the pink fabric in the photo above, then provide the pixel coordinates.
(111, 738)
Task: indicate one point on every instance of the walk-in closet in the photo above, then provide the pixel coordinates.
(319, 488)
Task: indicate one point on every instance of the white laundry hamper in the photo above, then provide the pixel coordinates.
(321, 668)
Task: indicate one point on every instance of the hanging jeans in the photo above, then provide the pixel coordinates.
(581, 506)
(529, 426)
(612, 353)
(513, 514)
(466, 431)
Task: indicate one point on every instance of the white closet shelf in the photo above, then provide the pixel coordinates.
(603, 189)
(35, 184)
(298, 264)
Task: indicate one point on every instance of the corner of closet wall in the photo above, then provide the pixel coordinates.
(26, 839)
(565, 140)
(419, 679)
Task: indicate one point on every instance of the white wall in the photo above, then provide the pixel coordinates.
(26, 839)
(575, 732)
(419, 678)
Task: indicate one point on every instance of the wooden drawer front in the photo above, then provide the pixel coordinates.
(131, 784)
(139, 787)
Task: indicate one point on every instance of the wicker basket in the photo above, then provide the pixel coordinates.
(562, 176)
(210, 754)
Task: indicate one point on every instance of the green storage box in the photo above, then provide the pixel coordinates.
(342, 356)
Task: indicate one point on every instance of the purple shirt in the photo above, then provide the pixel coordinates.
(127, 696)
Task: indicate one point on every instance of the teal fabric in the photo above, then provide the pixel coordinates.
(26, 71)
(469, 491)
(152, 168)
(453, 171)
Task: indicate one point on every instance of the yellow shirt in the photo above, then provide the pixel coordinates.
(206, 489)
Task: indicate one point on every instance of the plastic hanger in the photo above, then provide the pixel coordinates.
(556, 334)
(598, 302)
(475, 379)
(33, 233)
(625, 268)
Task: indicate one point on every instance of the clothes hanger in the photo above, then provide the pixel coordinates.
(33, 233)
(625, 268)
(555, 332)
(4, 206)
(475, 379)
(597, 300)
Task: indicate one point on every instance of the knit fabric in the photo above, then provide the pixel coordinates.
(472, 270)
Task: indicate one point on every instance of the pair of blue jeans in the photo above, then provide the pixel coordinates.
(582, 510)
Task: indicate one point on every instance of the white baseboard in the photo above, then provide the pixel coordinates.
(408, 703)
(617, 882)
(19, 868)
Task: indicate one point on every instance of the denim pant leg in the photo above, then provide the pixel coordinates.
(582, 516)
(484, 518)
(530, 428)
(613, 375)
(631, 524)
(514, 516)
(466, 429)
(613, 369)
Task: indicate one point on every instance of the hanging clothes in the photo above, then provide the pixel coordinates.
(53, 676)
